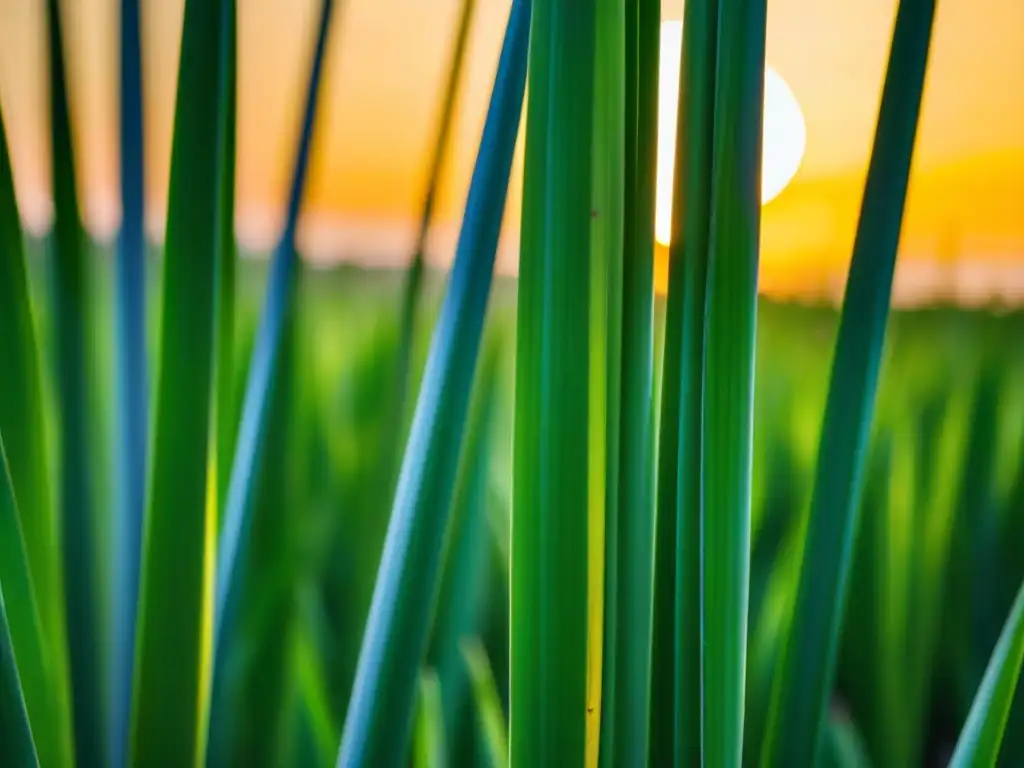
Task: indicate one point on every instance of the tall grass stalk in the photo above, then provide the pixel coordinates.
(232, 551)
(70, 299)
(33, 584)
(729, 336)
(380, 710)
(633, 510)
(132, 382)
(172, 659)
(606, 233)
(678, 674)
(804, 681)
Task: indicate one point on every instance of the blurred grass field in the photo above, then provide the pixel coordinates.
(937, 560)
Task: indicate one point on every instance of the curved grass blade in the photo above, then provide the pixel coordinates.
(677, 735)
(380, 710)
(132, 383)
(262, 370)
(224, 398)
(172, 651)
(70, 306)
(982, 734)
(37, 593)
(730, 332)
(804, 681)
(414, 277)
(21, 632)
(462, 593)
(488, 705)
(17, 748)
(606, 232)
(430, 749)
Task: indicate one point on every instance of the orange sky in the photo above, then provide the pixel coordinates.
(385, 74)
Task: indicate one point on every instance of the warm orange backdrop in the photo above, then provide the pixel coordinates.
(386, 69)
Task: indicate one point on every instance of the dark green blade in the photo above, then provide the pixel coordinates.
(224, 399)
(16, 746)
(634, 508)
(978, 745)
(677, 735)
(730, 331)
(464, 587)
(76, 422)
(380, 710)
(132, 384)
(174, 622)
(34, 586)
(412, 297)
(804, 681)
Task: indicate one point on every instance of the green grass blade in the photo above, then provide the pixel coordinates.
(488, 706)
(132, 383)
(21, 633)
(21, 425)
(463, 591)
(978, 745)
(224, 399)
(246, 715)
(678, 674)
(730, 331)
(70, 306)
(413, 290)
(630, 705)
(380, 710)
(17, 749)
(309, 670)
(236, 527)
(551, 509)
(525, 718)
(606, 232)
(804, 681)
(429, 751)
(173, 637)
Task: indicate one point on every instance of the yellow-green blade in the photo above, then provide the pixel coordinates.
(606, 232)
(487, 704)
(804, 681)
(978, 745)
(730, 330)
(429, 748)
(22, 431)
(174, 622)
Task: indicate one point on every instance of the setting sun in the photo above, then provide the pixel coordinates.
(785, 134)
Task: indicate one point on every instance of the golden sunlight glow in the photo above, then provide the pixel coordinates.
(784, 137)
